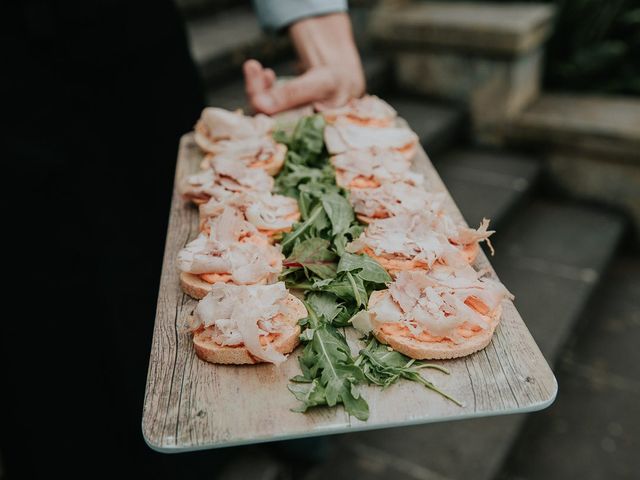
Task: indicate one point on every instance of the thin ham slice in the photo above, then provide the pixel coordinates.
(381, 165)
(391, 199)
(248, 151)
(264, 210)
(216, 124)
(343, 136)
(410, 237)
(224, 178)
(368, 110)
(425, 236)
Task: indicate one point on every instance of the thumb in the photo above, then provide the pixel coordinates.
(314, 85)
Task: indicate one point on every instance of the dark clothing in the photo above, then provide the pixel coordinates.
(95, 96)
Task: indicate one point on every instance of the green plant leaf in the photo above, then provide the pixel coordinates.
(339, 211)
(364, 266)
(313, 254)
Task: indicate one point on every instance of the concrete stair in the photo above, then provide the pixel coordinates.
(438, 125)
(488, 183)
(590, 144)
(591, 432)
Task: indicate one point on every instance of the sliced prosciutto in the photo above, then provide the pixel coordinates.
(406, 242)
(225, 177)
(343, 136)
(391, 199)
(216, 124)
(372, 168)
(369, 111)
(268, 212)
(252, 152)
(409, 241)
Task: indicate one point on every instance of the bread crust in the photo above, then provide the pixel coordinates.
(421, 350)
(211, 352)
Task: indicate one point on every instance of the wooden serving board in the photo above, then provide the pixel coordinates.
(191, 405)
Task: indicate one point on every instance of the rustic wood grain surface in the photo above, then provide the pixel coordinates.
(190, 404)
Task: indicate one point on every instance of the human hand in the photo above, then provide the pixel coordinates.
(332, 69)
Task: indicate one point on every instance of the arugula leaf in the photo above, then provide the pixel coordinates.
(308, 138)
(340, 241)
(313, 255)
(328, 370)
(289, 238)
(339, 212)
(325, 304)
(310, 394)
(384, 366)
(367, 268)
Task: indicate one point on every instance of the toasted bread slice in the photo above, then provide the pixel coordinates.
(440, 350)
(196, 287)
(210, 351)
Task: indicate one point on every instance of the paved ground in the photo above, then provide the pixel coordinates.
(593, 430)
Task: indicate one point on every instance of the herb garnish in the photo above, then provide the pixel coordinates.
(337, 284)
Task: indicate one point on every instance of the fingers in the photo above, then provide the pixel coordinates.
(314, 85)
(254, 78)
(269, 78)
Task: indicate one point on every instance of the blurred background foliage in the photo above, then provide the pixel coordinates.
(595, 46)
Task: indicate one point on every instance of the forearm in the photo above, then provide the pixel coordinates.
(326, 40)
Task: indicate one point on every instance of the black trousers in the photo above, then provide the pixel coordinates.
(95, 96)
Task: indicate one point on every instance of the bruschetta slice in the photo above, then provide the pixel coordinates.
(271, 214)
(372, 168)
(441, 314)
(217, 124)
(342, 136)
(258, 152)
(368, 111)
(225, 177)
(391, 199)
(233, 252)
(419, 241)
(246, 324)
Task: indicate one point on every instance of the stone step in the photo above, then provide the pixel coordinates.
(488, 183)
(437, 124)
(595, 417)
(487, 56)
(591, 144)
(594, 124)
(551, 257)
